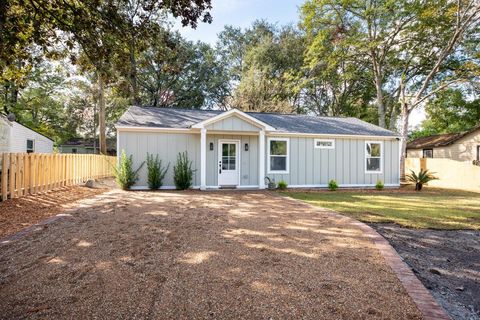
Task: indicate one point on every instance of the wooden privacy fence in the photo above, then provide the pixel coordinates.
(452, 174)
(30, 173)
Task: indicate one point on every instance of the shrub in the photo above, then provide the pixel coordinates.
(282, 185)
(379, 185)
(421, 178)
(332, 185)
(124, 173)
(156, 172)
(182, 172)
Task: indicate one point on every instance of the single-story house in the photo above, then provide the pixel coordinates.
(464, 146)
(16, 137)
(239, 149)
(86, 146)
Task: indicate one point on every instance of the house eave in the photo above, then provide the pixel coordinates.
(229, 113)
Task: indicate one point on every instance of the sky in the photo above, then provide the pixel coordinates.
(241, 13)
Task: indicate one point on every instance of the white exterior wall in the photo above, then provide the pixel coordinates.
(18, 140)
(13, 138)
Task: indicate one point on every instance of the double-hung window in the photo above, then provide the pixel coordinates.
(373, 156)
(278, 158)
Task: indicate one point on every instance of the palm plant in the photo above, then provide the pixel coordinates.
(423, 176)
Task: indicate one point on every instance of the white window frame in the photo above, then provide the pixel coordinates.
(381, 157)
(286, 171)
(33, 147)
(324, 140)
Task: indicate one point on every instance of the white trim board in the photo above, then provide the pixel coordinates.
(141, 188)
(242, 115)
(329, 135)
(388, 185)
(268, 133)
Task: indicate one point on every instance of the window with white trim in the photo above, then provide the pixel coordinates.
(324, 144)
(278, 155)
(30, 145)
(373, 157)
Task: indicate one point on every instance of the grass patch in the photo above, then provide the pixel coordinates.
(431, 208)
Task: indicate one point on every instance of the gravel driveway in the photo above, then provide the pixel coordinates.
(198, 255)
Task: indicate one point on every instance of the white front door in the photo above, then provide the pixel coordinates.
(228, 162)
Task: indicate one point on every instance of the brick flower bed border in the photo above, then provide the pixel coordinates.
(422, 298)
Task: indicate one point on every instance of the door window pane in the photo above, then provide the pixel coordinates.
(225, 163)
(225, 150)
(232, 150)
(232, 163)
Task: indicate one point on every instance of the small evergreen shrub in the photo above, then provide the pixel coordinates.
(182, 172)
(332, 185)
(125, 176)
(282, 185)
(156, 172)
(379, 185)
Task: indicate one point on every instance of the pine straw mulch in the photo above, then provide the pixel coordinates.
(19, 213)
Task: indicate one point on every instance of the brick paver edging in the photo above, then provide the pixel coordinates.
(422, 298)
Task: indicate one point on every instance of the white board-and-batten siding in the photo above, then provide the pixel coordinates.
(345, 163)
(308, 166)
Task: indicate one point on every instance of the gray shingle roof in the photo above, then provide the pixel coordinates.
(292, 123)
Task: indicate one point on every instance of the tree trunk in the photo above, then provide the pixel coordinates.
(135, 99)
(393, 118)
(403, 144)
(380, 103)
(101, 115)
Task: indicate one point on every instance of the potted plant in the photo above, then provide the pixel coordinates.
(271, 185)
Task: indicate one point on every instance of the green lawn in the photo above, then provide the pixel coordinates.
(430, 208)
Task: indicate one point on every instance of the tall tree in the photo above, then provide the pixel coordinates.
(96, 26)
(362, 31)
(435, 55)
(450, 112)
(173, 72)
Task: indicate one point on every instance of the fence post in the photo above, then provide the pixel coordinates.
(13, 170)
(5, 169)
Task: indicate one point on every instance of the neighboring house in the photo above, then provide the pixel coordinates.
(463, 146)
(15, 137)
(86, 146)
(238, 149)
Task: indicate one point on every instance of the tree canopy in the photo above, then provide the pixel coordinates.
(70, 68)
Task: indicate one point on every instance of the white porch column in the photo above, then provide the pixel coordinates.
(203, 159)
(261, 158)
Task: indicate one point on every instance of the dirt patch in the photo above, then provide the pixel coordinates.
(20, 213)
(447, 263)
(198, 255)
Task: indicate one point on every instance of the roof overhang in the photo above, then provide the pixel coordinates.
(234, 112)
